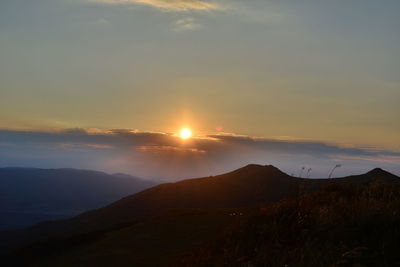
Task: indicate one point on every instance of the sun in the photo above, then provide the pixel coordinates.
(185, 133)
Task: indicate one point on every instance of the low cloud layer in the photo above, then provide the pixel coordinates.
(169, 5)
(167, 157)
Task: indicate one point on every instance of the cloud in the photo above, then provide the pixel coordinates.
(166, 156)
(186, 24)
(84, 147)
(392, 159)
(158, 149)
(168, 5)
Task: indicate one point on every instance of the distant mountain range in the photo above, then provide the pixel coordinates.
(162, 224)
(31, 195)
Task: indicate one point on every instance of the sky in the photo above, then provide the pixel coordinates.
(319, 72)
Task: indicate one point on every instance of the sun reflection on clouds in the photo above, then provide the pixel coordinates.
(157, 148)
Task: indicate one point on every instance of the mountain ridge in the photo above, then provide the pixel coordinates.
(30, 195)
(244, 187)
(171, 212)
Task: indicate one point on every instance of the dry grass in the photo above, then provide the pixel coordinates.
(340, 225)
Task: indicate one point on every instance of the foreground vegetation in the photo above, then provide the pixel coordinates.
(340, 225)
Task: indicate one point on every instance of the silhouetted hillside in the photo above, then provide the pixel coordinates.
(163, 224)
(248, 186)
(29, 195)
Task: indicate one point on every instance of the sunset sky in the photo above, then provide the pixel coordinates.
(307, 72)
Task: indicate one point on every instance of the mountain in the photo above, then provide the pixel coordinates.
(30, 195)
(248, 186)
(160, 225)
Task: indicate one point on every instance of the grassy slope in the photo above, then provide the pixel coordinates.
(159, 241)
(340, 225)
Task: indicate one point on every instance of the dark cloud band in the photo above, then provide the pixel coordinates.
(163, 155)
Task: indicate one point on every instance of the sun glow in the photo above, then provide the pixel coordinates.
(185, 133)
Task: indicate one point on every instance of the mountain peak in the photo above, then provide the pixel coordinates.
(258, 167)
(379, 171)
